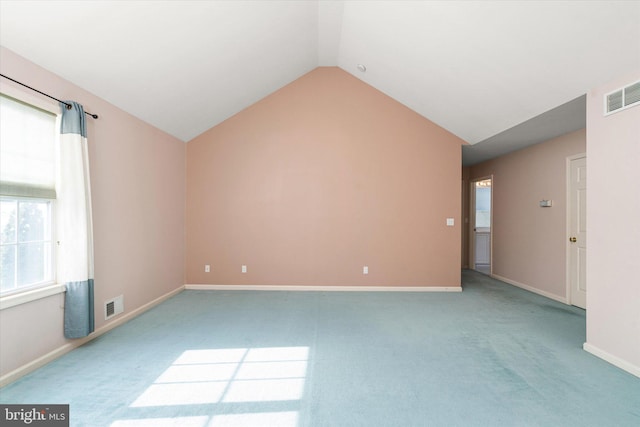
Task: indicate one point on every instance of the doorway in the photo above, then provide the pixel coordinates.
(481, 220)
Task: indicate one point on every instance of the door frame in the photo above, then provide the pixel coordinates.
(568, 223)
(472, 222)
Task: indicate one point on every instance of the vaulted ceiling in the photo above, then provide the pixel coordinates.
(503, 74)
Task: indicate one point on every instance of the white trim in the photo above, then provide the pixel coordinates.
(66, 348)
(531, 289)
(615, 361)
(205, 287)
(30, 295)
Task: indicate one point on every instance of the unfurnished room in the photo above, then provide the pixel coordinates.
(319, 213)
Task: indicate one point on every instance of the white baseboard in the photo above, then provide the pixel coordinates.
(60, 351)
(615, 361)
(324, 288)
(531, 289)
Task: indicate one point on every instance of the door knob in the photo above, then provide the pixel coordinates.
(573, 239)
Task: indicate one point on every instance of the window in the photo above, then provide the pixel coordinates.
(27, 196)
(26, 243)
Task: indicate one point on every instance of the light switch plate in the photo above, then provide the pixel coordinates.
(449, 222)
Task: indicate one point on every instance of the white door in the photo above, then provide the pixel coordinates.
(578, 232)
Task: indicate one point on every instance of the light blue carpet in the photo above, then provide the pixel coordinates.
(493, 355)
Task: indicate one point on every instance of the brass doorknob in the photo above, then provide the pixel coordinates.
(573, 239)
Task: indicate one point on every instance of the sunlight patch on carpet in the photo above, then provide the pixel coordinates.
(230, 375)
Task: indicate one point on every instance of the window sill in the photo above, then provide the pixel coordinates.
(32, 295)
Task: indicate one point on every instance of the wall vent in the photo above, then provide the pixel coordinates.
(113, 307)
(622, 98)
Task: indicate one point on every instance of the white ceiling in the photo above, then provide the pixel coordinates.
(475, 68)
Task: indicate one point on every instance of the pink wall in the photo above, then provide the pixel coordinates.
(319, 179)
(529, 242)
(138, 191)
(613, 227)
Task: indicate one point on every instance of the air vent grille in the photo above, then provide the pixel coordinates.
(113, 307)
(622, 98)
(614, 101)
(632, 94)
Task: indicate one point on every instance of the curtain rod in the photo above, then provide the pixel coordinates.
(69, 106)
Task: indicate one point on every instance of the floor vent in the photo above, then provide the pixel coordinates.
(622, 98)
(113, 307)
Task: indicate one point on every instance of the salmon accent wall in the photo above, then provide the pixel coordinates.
(530, 242)
(319, 179)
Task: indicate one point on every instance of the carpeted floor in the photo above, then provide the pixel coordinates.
(493, 355)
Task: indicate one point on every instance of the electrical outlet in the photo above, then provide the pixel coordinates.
(244, 268)
(207, 268)
(365, 269)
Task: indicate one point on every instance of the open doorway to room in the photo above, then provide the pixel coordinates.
(480, 241)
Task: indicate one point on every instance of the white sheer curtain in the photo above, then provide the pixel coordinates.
(74, 223)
